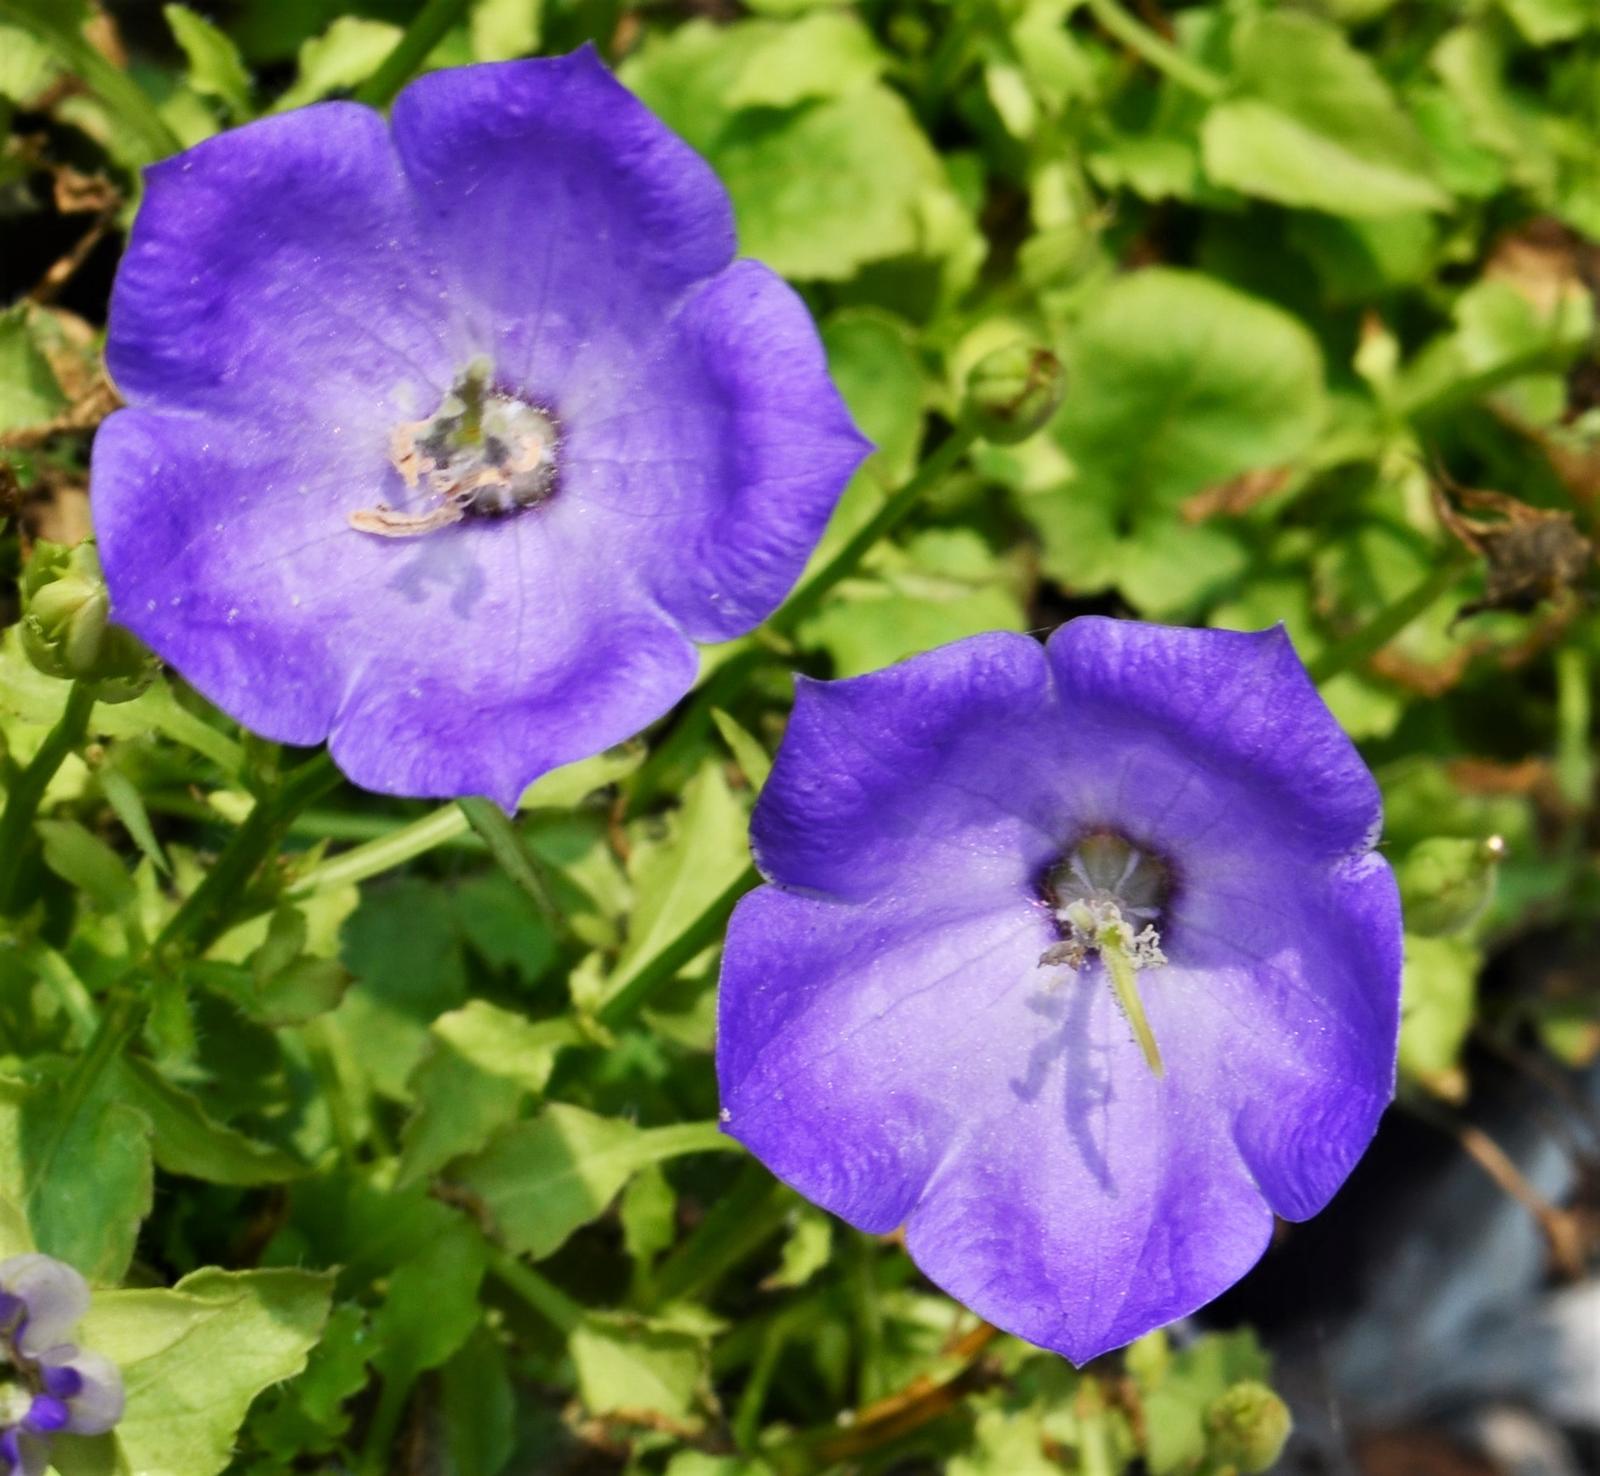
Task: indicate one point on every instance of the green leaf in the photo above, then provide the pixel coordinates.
(432, 1304)
(402, 946)
(27, 67)
(1316, 126)
(1438, 998)
(185, 1140)
(309, 1413)
(338, 60)
(675, 878)
(805, 1251)
(85, 861)
(29, 394)
(215, 67)
(192, 1359)
(479, 1407)
(753, 760)
(541, 1180)
(826, 54)
(77, 1161)
(638, 1364)
(1178, 384)
(822, 191)
(482, 1063)
(501, 30)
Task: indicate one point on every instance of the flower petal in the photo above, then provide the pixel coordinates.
(98, 1404)
(567, 217)
(55, 1294)
(893, 1067)
(275, 273)
(936, 777)
(735, 458)
(1229, 716)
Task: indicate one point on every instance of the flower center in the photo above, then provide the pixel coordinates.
(482, 453)
(1107, 895)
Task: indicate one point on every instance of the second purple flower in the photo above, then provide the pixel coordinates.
(446, 444)
(1076, 961)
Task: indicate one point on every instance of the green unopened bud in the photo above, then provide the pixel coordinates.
(1247, 1427)
(1446, 883)
(1013, 392)
(66, 626)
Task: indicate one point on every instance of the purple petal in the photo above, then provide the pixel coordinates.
(98, 1404)
(1213, 722)
(275, 273)
(46, 1415)
(889, 1045)
(934, 777)
(61, 1381)
(735, 459)
(55, 1294)
(566, 217)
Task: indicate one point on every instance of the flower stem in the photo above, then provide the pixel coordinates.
(52, 23)
(1160, 54)
(543, 1296)
(698, 933)
(405, 843)
(426, 30)
(1124, 981)
(22, 803)
(737, 1225)
(809, 595)
(1372, 637)
(207, 912)
(513, 855)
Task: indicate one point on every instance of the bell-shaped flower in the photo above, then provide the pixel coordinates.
(1076, 961)
(447, 441)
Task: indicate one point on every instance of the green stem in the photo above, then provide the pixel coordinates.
(514, 857)
(809, 595)
(446, 824)
(699, 933)
(543, 1296)
(378, 1446)
(51, 21)
(1124, 980)
(22, 803)
(1160, 54)
(207, 912)
(426, 30)
(1355, 648)
(738, 1225)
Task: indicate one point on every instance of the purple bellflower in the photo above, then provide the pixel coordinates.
(47, 1384)
(1076, 961)
(447, 442)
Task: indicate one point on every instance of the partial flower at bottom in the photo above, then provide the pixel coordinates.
(447, 442)
(1075, 960)
(48, 1385)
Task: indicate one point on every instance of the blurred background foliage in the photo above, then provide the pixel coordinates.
(1323, 276)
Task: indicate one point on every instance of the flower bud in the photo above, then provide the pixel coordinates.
(1247, 1427)
(1013, 391)
(1446, 883)
(66, 627)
